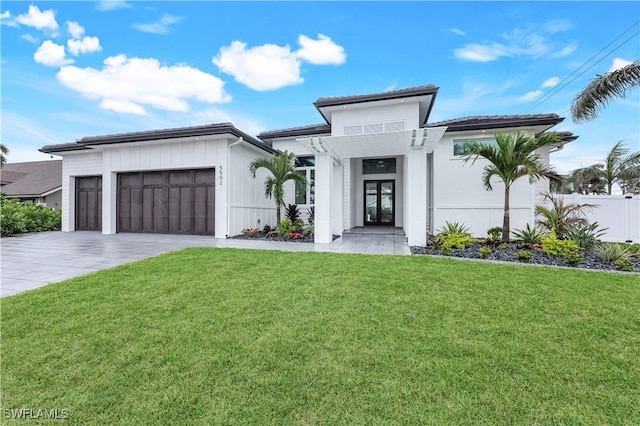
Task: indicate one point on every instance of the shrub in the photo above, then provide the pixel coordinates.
(573, 258)
(17, 218)
(455, 240)
(524, 256)
(446, 251)
(611, 252)
(12, 220)
(560, 248)
(266, 229)
(311, 214)
(484, 252)
(250, 232)
(292, 212)
(294, 235)
(494, 235)
(558, 216)
(528, 235)
(585, 236)
(453, 228)
(624, 264)
(287, 227)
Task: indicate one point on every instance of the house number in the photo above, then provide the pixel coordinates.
(220, 168)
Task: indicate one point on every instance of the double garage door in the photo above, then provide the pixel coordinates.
(167, 202)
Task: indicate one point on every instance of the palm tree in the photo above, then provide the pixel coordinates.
(3, 154)
(602, 90)
(588, 180)
(513, 157)
(282, 168)
(621, 165)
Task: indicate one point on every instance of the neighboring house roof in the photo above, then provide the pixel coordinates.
(427, 91)
(181, 132)
(32, 179)
(480, 122)
(313, 129)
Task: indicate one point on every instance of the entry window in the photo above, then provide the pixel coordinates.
(378, 165)
(306, 165)
(460, 146)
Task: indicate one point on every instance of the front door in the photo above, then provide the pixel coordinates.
(379, 202)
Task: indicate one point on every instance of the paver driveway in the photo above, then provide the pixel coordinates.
(33, 260)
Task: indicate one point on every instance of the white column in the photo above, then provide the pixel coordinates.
(109, 194)
(222, 191)
(416, 203)
(346, 193)
(324, 184)
(336, 200)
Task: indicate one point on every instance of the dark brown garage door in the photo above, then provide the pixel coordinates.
(168, 202)
(89, 203)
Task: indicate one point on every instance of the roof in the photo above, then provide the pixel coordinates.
(313, 129)
(479, 122)
(32, 179)
(150, 135)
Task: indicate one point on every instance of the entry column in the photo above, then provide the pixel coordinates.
(324, 184)
(416, 204)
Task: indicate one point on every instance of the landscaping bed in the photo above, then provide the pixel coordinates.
(590, 260)
(295, 238)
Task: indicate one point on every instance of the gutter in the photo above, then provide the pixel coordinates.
(231, 145)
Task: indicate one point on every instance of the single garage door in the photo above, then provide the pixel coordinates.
(168, 202)
(89, 203)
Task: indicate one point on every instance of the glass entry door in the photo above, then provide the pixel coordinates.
(379, 202)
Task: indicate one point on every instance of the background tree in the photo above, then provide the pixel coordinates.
(4, 151)
(602, 89)
(588, 180)
(621, 166)
(513, 157)
(282, 168)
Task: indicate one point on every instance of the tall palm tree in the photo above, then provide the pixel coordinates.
(602, 89)
(588, 180)
(619, 164)
(3, 154)
(513, 157)
(282, 168)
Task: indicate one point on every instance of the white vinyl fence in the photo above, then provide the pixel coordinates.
(619, 213)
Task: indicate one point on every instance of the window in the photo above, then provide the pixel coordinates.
(306, 165)
(459, 145)
(378, 165)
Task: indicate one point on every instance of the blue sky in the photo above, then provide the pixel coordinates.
(75, 69)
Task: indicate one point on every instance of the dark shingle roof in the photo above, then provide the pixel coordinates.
(31, 179)
(428, 89)
(313, 129)
(180, 132)
(479, 122)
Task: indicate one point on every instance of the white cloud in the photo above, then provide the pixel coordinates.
(619, 63)
(262, 68)
(240, 121)
(550, 82)
(106, 5)
(41, 20)
(480, 53)
(390, 87)
(320, 52)
(86, 45)
(51, 55)
(530, 96)
(566, 51)
(30, 38)
(6, 19)
(457, 31)
(557, 26)
(76, 30)
(162, 26)
(128, 84)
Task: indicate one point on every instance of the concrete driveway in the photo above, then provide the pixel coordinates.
(30, 261)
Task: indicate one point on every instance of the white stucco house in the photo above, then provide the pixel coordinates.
(375, 161)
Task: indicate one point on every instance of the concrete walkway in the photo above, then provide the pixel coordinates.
(33, 260)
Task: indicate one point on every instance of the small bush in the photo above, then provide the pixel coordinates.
(453, 228)
(528, 235)
(573, 258)
(585, 236)
(560, 248)
(17, 218)
(250, 232)
(524, 256)
(287, 227)
(484, 252)
(612, 252)
(494, 235)
(624, 264)
(292, 212)
(266, 229)
(446, 251)
(311, 215)
(455, 240)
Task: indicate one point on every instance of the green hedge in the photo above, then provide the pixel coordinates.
(18, 218)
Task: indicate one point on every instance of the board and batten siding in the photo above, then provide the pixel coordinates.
(248, 205)
(76, 165)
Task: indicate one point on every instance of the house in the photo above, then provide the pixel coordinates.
(375, 161)
(38, 182)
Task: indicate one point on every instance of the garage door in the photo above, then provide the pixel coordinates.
(89, 203)
(168, 202)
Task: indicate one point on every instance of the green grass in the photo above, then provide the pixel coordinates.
(221, 336)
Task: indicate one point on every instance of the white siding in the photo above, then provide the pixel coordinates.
(76, 164)
(249, 208)
(375, 115)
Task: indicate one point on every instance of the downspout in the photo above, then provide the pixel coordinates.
(239, 141)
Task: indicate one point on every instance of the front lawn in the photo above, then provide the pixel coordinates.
(222, 336)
